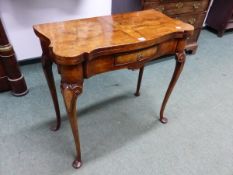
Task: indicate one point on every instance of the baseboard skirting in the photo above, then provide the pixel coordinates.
(29, 61)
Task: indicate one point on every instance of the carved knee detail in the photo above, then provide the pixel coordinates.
(75, 88)
(180, 57)
(70, 93)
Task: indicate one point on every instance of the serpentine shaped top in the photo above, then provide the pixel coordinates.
(72, 41)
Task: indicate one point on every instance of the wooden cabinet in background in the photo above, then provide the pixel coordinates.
(220, 16)
(190, 11)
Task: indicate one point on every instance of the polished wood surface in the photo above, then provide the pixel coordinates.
(189, 11)
(86, 47)
(10, 76)
(76, 40)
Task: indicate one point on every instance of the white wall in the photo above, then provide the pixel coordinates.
(18, 17)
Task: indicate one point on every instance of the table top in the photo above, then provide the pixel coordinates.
(71, 40)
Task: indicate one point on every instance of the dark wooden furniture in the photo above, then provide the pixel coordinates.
(10, 75)
(123, 6)
(220, 16)
(189, 11)
(86, 47)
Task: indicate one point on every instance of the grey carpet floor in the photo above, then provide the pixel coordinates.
(121, 134)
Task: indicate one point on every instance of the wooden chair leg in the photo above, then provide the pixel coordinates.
(180, 60)
(47, 68)
(70, 94)
(137, 93)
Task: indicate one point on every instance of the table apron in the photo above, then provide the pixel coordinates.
(126, 60)
(131, 60)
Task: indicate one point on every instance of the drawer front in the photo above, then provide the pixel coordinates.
(178, 7)
(194, 19)
(131, 57)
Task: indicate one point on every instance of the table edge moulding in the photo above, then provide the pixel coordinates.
(86, 47)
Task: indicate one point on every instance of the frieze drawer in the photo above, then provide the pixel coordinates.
(131, 57)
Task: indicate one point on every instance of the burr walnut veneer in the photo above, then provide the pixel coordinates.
(86, 47)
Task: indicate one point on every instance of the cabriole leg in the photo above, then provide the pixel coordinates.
(180, 60)
(47, 68)
(70, 94)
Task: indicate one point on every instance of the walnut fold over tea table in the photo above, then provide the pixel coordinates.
(87, 47)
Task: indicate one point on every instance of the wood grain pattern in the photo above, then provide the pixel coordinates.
(87, 47)
(73, 41)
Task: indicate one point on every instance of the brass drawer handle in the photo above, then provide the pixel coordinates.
(161, 8)
(196, 5)
(179, 5)
(192, 21)
(139, 56)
